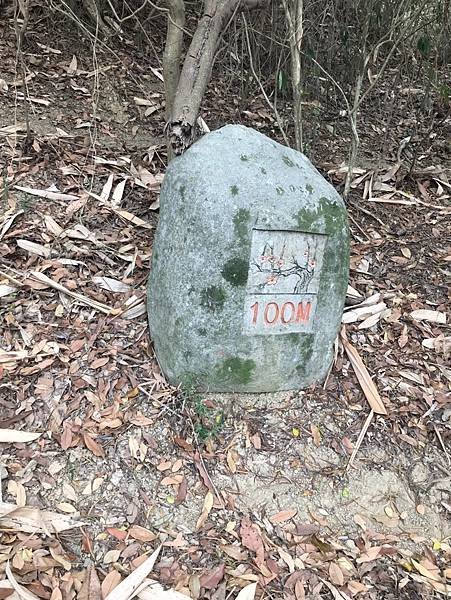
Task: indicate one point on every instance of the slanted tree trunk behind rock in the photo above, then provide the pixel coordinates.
(172, 56)
(197, 67)
(173, 51)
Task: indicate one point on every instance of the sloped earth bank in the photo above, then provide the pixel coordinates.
(238, 489)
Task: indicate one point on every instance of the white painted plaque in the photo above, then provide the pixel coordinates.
(283, 282)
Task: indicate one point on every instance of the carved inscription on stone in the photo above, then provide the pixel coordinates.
(283, 282)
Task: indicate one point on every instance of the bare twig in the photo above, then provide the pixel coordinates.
(130, 16)
(260, 85)
(440, 439)
(79, 297)
(360, 439)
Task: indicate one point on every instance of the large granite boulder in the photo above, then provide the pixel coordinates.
(249, 268)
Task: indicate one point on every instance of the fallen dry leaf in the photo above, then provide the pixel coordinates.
(50, 195)
(288, 559)
(130, 584)
(252, 539)
(34, 248)
(90, 590)
(111, 556)
(112, 580)
(112, 285)
(335, 592)
(316, 434)
(370, 555)
(235, 552)
(31, 519)
(9, 359)
(231, 460)
(92, 445)
(367, 384)
(79, 297)
(66, 507)
(21, 591)
(7, 591)
(425, 571)
(336, 574)
(181, 492)
(434, 316)
(208, 505)
(210, 580)
(283, 515)
(141, 533)
(12, 436)
(155, 591)
(248, 592)
(440, 344)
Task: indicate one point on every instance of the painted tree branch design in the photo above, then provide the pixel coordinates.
(277, 266)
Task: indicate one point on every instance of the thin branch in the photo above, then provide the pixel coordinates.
(130, 16)
(334, 81)
(257, 79)
(360, 439)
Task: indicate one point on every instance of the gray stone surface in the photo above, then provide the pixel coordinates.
(249, 268)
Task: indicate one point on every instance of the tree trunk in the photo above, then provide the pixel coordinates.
(196, 71)
(294, 16)
(172, 56)
(173, 52)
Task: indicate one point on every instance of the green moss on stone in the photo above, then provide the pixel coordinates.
(335, 261)
(234, 190)
(244, 157)
(330, 212)
(294, 338)
(241, 224)
(334, 215)
(309, 188)
(213, 298)
(235, 271)
(236, 370)
(306, 352)
(288, 161)
(306, 218)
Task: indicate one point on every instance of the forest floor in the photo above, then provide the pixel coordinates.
(307, 493)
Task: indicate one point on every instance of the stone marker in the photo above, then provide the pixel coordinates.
(249, 268)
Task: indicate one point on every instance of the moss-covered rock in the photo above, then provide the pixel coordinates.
(249, 267)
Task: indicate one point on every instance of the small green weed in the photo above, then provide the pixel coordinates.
(25, 201)
(207, 421)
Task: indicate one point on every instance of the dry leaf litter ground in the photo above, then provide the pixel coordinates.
(309, 495)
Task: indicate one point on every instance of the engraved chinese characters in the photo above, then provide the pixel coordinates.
(283, 281)
(249, 266)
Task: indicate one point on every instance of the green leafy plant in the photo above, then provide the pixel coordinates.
(25, 201)
(207, 421)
